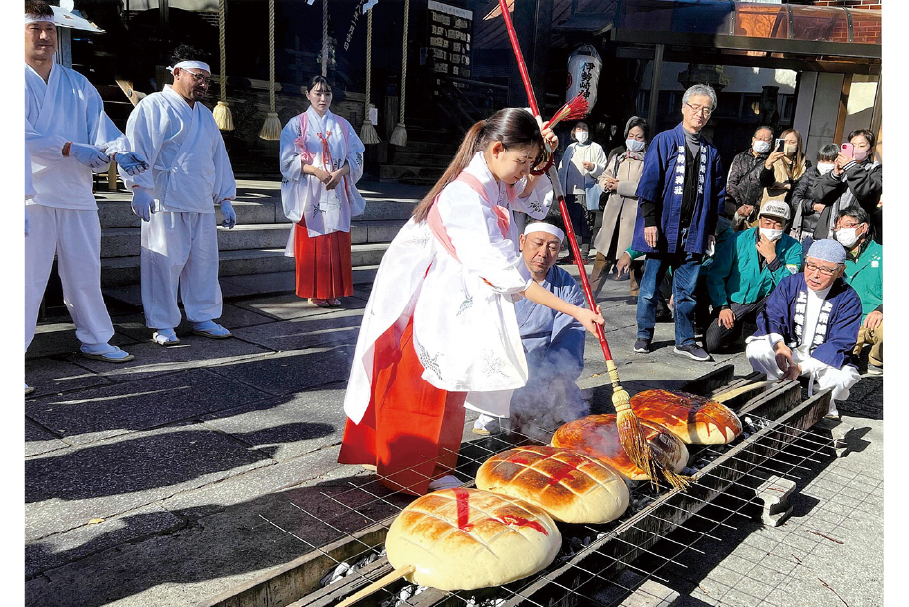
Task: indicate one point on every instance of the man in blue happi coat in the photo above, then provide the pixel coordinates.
(809, 326)
(681, 194)
(553, 344)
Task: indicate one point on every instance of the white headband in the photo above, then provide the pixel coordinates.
(541, 226)
(201, 65)
(37, 18)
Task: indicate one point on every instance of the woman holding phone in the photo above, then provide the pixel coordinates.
(854, 180)
(783, 169)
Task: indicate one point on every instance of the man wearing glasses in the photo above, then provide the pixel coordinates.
(864, 273)
(191, 174)
(809, 325)
(681, 194)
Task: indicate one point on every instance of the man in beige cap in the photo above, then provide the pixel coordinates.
(744, 271)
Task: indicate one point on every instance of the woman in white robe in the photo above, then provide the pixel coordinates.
(321, 162)
(440, 320)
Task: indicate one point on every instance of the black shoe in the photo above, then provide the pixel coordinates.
(694, 352)
(642, 346)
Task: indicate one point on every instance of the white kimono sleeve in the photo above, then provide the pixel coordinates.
(472, 226)
(102, 131)
(43, 148)
(290, 160)
(538, 202)
(355, 150)
(225, 187)
(145, 132)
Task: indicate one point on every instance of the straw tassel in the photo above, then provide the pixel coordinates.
(368, 133)
(223, 117)
(399, 136)
(271, 130)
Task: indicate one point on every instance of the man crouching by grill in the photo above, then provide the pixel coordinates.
(553, 343)
(809, 325)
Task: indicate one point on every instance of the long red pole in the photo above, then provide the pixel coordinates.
(554, 178)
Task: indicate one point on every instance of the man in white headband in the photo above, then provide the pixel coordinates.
(68, 136)
(553, 343)
(190, 176)
(809, 326)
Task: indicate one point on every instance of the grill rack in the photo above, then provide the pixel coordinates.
(597, 563)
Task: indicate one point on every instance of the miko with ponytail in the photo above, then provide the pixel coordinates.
(440, 320)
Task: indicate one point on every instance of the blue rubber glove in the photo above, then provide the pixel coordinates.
(143, 203)
(230, 216)
(131, 162)
(89, 155)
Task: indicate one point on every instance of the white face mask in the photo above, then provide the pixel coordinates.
(859, 155)
(824, 167)
(581, 136)
(848, 237)
(634, 145)
(760, 147)
(771, 234)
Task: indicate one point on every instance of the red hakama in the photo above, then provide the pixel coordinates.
(323, 264)
(411, 430)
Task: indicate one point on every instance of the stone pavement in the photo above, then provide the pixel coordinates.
(158, 482)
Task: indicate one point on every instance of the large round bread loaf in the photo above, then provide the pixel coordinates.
(461, 539)
(694, 419)
(569, 486)
(598, 436)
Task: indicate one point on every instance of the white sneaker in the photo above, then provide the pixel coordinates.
(832, 414)
(446, 482)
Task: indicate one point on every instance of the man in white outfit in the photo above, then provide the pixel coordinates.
(809, 326)
(176, 200)
(68, 136)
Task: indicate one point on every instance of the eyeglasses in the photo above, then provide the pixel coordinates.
(846, 226)
(700, 109)
(811, 267)
(199, 77)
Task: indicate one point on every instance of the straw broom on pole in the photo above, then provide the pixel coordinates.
(631, 434)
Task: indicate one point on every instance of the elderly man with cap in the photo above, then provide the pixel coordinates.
(68, 136)
(190, 176)
(809, 324)
(745, 269)
(553, 343)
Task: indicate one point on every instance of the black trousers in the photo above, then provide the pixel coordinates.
(718, 337)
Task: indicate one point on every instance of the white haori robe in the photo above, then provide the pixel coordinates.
(464, 327)
(303, 195)
(65, 108)
(190, 170)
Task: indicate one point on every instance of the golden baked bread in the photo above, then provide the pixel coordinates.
(694, 419)
(598, 436)
(569, 486)
(461, 539)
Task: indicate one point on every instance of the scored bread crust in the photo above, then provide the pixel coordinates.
(462, 539)
(598, 436)
(571, 487)
(696, 420)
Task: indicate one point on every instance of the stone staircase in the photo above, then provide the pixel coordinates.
(252, 260)
(422, 161)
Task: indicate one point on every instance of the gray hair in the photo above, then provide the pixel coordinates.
(701, 89)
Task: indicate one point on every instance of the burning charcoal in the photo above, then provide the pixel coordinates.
(745, 435)
(749, 424)
(688, 471)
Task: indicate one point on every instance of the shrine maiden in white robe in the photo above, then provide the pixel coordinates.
(190, 174)
(63, 215)
(464, 327)
(326, 211)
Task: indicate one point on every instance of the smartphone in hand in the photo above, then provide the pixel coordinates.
(780, 145)
(847, 150)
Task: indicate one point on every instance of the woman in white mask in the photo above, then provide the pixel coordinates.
(579, 168)
(784, 168)
(854, 180)
(620, 181)
(807, 210)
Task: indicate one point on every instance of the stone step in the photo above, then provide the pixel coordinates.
(125, 242)
(422, 159)
(124, 271)
(240, 287)
(401, 172)
(117, 213)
